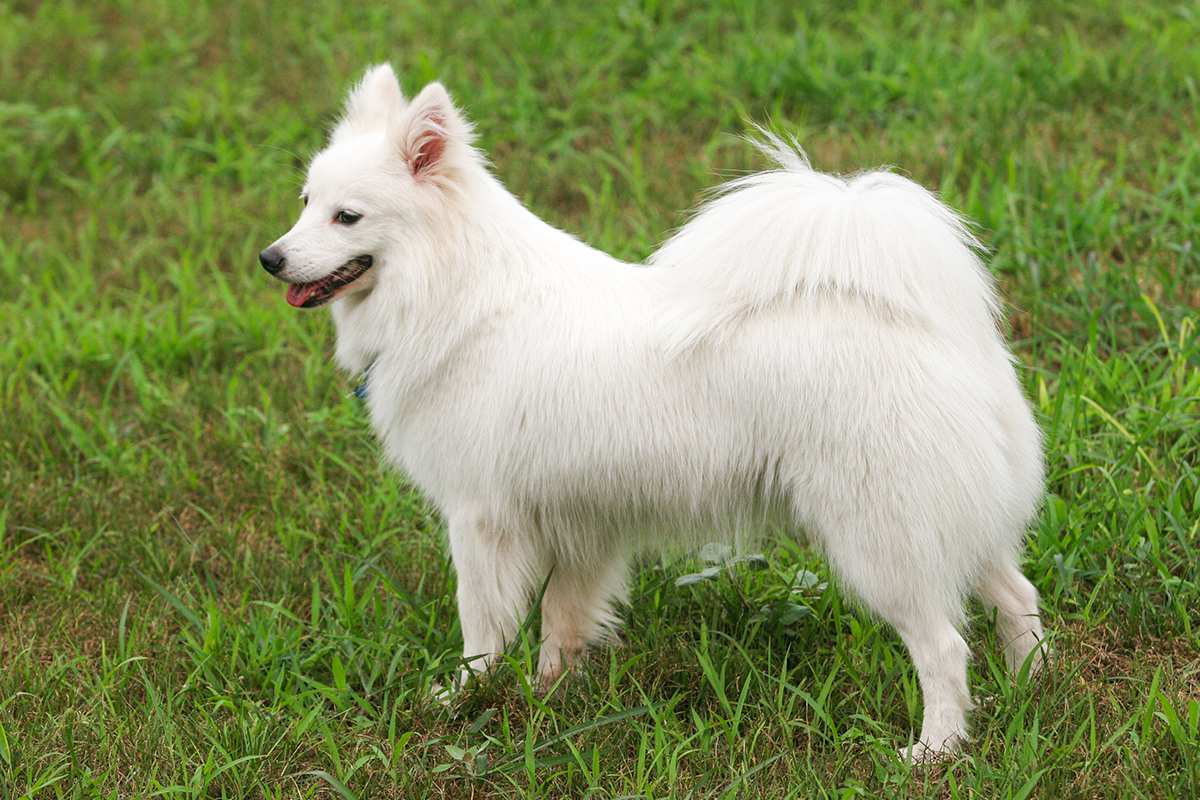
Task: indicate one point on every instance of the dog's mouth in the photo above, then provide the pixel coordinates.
(311, 295)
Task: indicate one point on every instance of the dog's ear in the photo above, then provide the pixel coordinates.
(431, 135)
(372, 102)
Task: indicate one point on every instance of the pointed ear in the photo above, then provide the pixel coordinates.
(431, 134)
(372, 102)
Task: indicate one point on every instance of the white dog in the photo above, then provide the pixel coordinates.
(808, 353)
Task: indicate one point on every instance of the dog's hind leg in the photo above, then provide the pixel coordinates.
(940, 655)
(1018, 624)
(498, 572)
(890, 573)
(578, 609)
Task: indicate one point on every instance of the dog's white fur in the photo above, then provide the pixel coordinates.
(807, 353)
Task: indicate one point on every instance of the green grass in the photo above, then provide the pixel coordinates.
(209, 587)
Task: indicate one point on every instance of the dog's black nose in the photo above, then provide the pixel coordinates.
(271, 259)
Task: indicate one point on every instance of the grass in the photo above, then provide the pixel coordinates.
(209, 587)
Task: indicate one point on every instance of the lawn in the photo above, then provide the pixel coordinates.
(211, 587)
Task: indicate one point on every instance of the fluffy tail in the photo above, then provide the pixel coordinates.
(795, 233)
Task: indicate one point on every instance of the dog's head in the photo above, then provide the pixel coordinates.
(388, 166)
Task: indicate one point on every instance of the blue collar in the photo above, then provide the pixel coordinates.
(360, 389)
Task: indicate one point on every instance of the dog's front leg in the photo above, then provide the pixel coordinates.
(579, 608)
(496, 576)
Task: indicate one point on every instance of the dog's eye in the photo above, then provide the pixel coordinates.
(347, 218)
(304, 200)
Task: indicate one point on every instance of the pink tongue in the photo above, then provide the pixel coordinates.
(298, 293)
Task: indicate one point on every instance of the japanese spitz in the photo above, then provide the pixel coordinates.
(808, 353)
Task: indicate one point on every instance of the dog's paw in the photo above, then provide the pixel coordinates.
(546, 679)
(1027, 653)
(443, 695)
(555, 661)
(925, 751)
(921, 753)
(550, 674)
